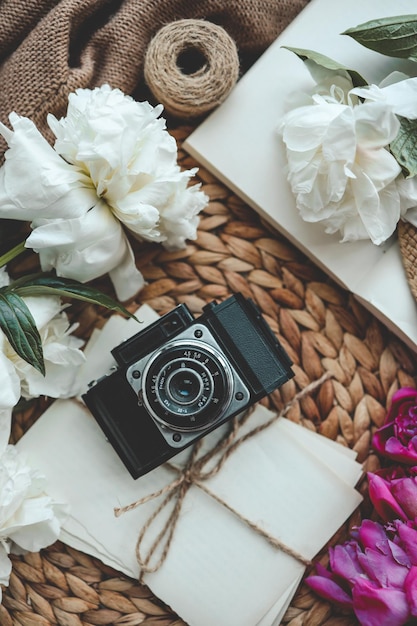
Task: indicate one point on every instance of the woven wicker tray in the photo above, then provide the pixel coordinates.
(322, 327)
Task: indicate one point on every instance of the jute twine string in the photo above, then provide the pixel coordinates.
(191, 66)
(194, 474)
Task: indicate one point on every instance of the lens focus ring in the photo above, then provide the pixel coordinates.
(186, 385)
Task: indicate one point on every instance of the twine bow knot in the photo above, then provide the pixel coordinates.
(195, 473)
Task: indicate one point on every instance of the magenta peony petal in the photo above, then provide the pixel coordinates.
(405, 494)
(381, 497)
(329, 590)
(379, 607)
(395, 450)
(380, 437)
(344, 562)
(405, 394)
(410, 588)
(383, 569)
(322, 571)
(397, 439)
(400, 556)
(371, 535)
(408, 537)
(394, 447)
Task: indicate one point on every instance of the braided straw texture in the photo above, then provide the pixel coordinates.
(322, 327)
(407, 237)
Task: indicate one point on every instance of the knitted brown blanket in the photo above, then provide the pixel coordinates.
(48, 48)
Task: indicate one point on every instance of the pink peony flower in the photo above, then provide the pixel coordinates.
(397, 439)
(393, 492)
(374, 574)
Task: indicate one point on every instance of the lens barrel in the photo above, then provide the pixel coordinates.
(186, 385)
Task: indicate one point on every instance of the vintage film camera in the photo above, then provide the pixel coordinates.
(181, 377)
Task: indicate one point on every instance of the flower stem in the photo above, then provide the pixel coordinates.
(11, 254)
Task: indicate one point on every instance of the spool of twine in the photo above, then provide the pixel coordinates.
(191, 66)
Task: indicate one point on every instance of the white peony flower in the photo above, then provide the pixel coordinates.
(62, 358)
(77, 236)
(340, 169)
(29, 519)
(61, 352)
(113, 166)
(124, 148)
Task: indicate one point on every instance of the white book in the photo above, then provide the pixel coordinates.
(239, 143)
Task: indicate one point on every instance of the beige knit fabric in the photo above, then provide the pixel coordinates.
(49, 48)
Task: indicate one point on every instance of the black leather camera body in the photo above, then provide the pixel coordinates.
(181, 377)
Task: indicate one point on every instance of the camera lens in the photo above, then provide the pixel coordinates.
(184, 386)
(187, 385)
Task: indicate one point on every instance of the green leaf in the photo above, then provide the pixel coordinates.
(316, 61)
(404, 146)
(393, 36)
(18, 325)
(51, 285)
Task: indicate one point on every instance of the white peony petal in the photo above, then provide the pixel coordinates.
(379, 210)
(304, 128)
(352, 229)
(35, 524)
(339, 141)
(376, 125)
(379, 165)
(35, 179)
(126, 278)
(10, 384)
(43, 308)
(399, 95)
(15, 482)
(179, 220)
(60, 380)
(139, 215)
(369, 92)
(83, 248)
(402, 97)
(4, 277)
(5, 428)
(28, 517)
